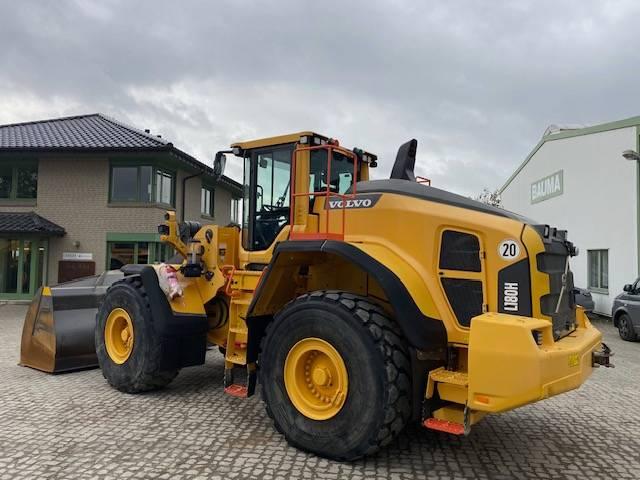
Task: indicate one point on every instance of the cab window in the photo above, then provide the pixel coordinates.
(341, 172)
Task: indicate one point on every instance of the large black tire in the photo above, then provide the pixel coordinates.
(625, 328)
(377, 406)
(141, 371)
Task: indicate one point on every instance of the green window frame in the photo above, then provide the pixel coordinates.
(144, 183)
(141, 246)
(19, 180)
(145, 253)
(207, 201)
(598, 270)
(31, 272)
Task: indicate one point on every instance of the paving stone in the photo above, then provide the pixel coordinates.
(74, 426)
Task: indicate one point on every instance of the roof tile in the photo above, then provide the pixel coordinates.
(93, 131)
(28, 222)
(84, 131)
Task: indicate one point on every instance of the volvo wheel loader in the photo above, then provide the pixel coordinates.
(358, 305)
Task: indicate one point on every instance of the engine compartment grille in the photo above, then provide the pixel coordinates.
(465, 298)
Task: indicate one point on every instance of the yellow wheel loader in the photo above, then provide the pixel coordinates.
(357, 305)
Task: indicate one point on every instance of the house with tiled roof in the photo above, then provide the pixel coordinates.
(84, 194)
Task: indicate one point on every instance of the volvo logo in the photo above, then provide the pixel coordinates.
(359, 201)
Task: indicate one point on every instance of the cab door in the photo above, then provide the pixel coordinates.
(266, 207)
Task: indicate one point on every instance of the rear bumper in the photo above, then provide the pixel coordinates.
(507, 368)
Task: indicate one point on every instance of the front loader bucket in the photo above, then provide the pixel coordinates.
(58, 331)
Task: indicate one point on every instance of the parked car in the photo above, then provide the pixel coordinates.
(583, 298)
(626, 312)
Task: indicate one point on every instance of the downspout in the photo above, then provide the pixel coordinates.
(184, 191)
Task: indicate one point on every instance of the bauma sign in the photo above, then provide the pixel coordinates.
(547, 187)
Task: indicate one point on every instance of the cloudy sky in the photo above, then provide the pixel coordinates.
(476, 82)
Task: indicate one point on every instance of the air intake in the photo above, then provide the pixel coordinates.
(405, 161)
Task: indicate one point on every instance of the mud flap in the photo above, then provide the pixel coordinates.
(58, 331)
(184, 336)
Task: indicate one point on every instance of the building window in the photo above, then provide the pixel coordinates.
(126, 253)
(164, 187)
(598, 261)
(207, 201)
(235, 211)
(142, 183)
(18, 181)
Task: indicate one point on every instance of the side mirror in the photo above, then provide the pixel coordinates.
(628, 287)
(218, 164)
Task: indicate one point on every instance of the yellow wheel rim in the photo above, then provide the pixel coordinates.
(316, 378)
(118, 335)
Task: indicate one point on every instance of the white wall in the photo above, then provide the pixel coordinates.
(597, 207)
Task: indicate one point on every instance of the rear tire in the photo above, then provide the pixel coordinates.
(140, 372)
(377, 405)
(625, 328)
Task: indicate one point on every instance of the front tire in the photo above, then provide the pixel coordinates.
(353, 387)
(625, 328)
(128, 348)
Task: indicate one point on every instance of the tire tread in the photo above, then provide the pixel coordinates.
(389, 340)
(152, 377)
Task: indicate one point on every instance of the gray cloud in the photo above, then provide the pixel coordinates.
(475, 82)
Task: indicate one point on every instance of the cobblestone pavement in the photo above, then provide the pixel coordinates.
(75, 426)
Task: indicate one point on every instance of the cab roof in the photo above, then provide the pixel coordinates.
(269, 141)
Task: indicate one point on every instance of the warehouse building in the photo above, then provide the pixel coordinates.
(82, 194)
(578, 179)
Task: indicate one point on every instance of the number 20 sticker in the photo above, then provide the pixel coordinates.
(509, 249)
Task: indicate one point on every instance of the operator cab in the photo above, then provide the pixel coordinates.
(271, 181)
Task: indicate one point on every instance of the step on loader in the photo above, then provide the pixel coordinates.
(355, 305)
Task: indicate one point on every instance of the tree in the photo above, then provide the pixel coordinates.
(490, 198)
